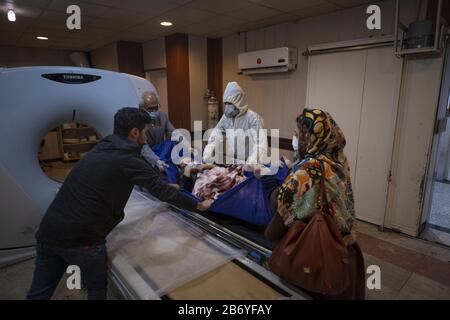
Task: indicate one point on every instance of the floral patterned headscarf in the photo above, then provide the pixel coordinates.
(299, 195)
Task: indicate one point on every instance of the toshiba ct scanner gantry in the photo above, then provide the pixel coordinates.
(33, 100)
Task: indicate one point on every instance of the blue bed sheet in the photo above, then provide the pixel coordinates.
(248, 201)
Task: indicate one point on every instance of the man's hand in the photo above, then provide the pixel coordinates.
(161, 165)
(204, 205)
(176, 186)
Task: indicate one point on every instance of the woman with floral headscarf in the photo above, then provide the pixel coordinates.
(321, 145)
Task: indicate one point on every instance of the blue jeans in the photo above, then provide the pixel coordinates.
(51, 264)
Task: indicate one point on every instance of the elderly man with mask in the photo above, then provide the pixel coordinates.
(236, 116)
(160, 129)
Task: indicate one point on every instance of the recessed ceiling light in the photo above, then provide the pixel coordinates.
(11, 15)
(42, 38)
(166, 23)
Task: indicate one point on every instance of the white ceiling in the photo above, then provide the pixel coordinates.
(105, 21)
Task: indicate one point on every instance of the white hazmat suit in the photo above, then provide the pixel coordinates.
(250, 124)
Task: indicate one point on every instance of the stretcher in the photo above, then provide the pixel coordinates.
(162, 252)
(247, 201)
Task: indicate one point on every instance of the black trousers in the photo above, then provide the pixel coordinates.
(51, 263)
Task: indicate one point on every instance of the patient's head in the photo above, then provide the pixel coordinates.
(132, 123)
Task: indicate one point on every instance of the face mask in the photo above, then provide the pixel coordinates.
(153, 114)
(152, 108)
(231, 111)
(295, 143)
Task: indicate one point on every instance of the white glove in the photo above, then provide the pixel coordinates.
(161, 165)
(193, 152)
(208, 159)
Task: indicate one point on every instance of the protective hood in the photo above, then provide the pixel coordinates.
(234, 94)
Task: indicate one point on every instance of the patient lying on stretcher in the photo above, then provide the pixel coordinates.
(209, 181)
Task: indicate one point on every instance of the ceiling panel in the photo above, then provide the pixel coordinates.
(35, 44)
(56, 19)
(291, 5)
(180, 1)
(108, 3)
(20, 25)
(104, 21)
(281, 18)
(350, 3)
(316, 10)
(150, 8)
(184, 15)
(239, 28)
(9, 38)
(198, 29)
(118, 19)
(20, 10)
(254, 13)
(116, 24)
(153, 27)
(219, 6)
(88, 9)
(41, 4)
(223, 22)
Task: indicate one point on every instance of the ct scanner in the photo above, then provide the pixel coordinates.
(33, 100)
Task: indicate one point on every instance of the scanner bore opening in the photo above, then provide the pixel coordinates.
(62, 147)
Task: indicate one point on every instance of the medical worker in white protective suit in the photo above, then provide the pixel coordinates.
(237, 115)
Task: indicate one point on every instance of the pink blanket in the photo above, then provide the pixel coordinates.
(211, 183)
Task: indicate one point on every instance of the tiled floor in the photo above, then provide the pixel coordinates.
(15, 281)
(410, 269)
(436, 236)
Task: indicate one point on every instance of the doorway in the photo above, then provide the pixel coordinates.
(360, 89)
(436, 213)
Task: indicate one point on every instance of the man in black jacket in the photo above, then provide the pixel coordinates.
(90, 204)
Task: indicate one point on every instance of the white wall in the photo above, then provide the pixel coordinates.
(268, 94)
(154, 54)
(155, 64)
(280, 98)
(198, 79)
(159, 79)
(26, 57)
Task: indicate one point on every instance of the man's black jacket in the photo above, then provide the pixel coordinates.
(91, 200)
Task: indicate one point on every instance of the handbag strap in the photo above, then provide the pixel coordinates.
(322, 201)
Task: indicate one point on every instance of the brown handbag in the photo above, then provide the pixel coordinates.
(313, 255)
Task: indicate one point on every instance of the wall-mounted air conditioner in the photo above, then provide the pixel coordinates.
(274, 60)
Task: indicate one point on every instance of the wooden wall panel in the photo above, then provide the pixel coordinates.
(130, 58)
(178, 90)
(432, 9)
